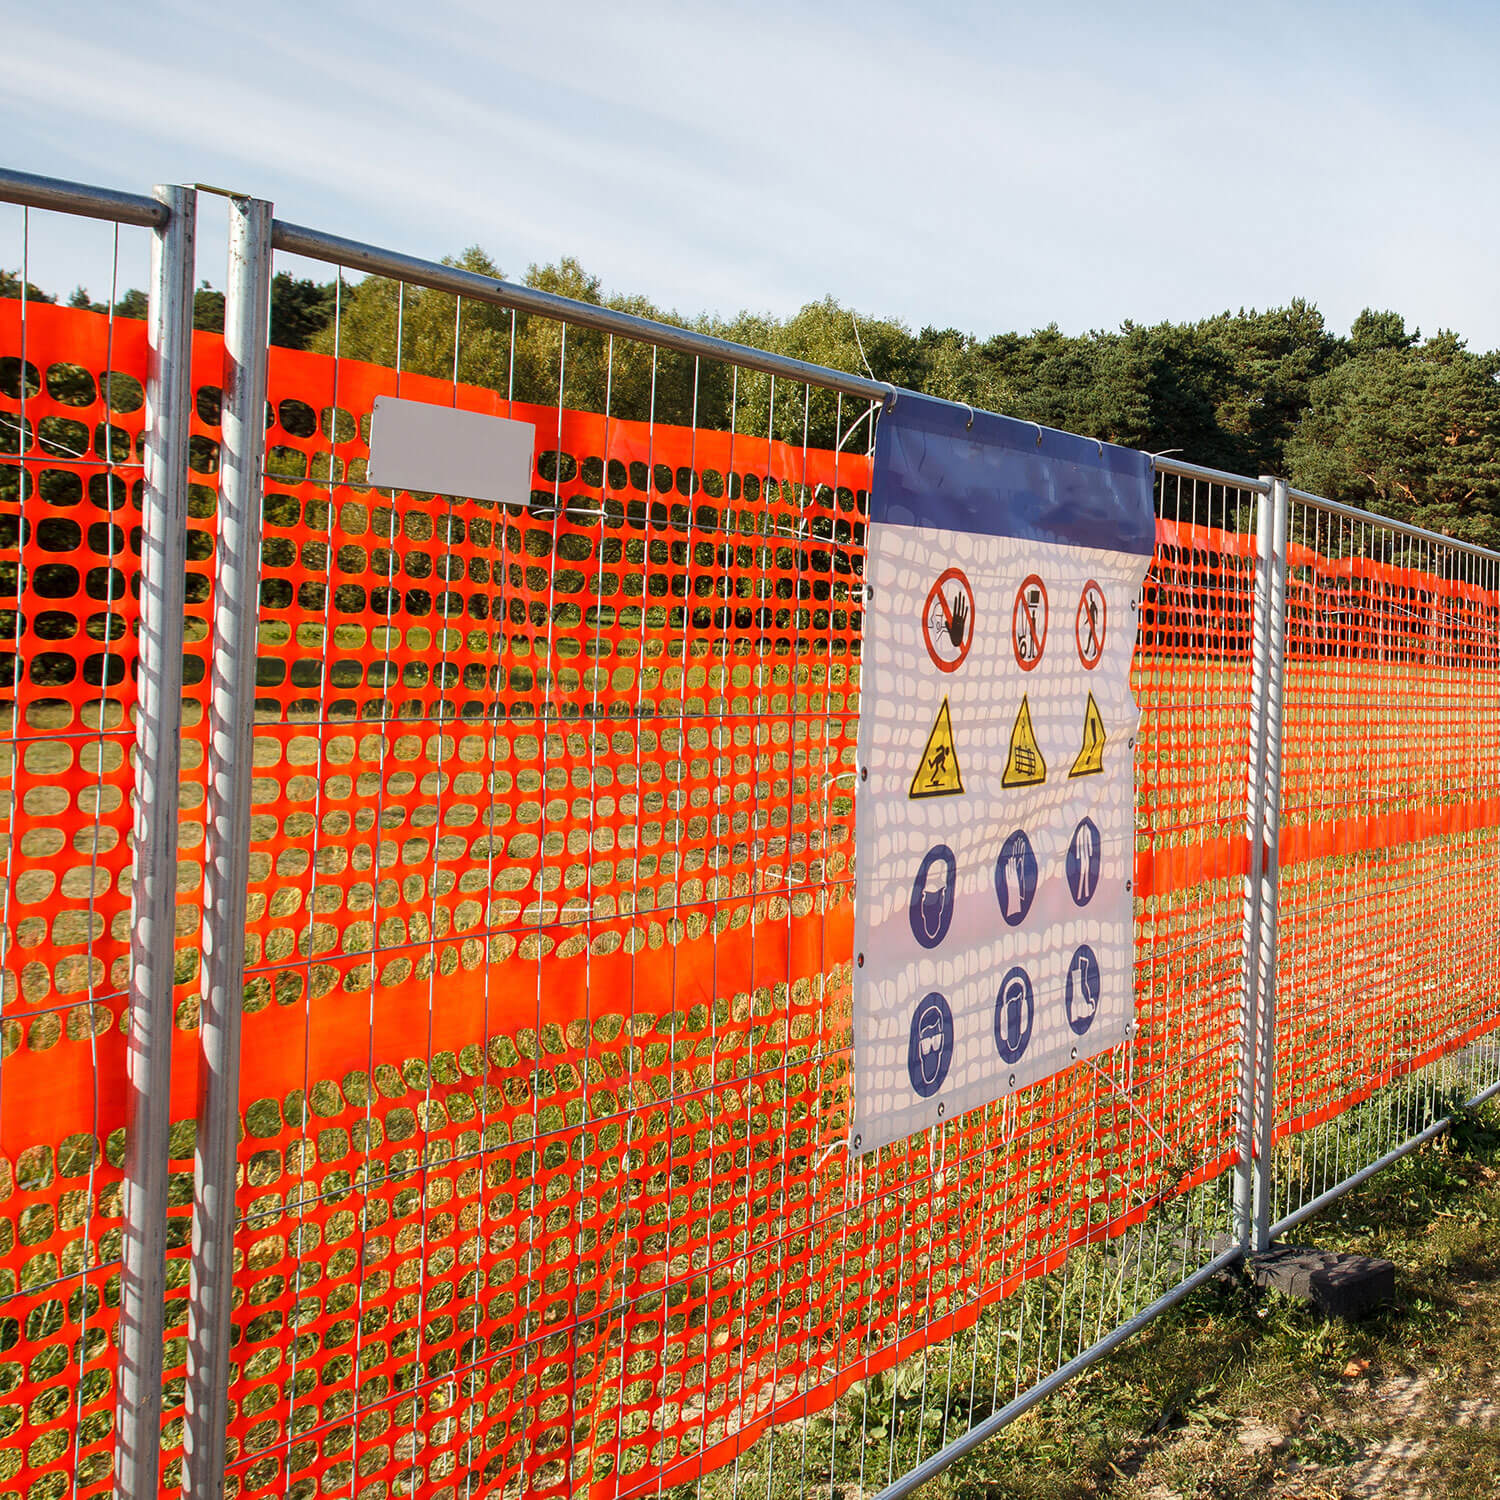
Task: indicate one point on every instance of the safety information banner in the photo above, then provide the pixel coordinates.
(994, 839)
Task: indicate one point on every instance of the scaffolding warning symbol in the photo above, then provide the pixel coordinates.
(938, 775)
(1090, 760)
(1024, 765)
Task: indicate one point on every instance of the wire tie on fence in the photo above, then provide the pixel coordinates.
(969, 425)
(1038, 427)
(1130, 1104)
(828, 1151)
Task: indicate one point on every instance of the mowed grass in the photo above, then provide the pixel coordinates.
(1238, 1393)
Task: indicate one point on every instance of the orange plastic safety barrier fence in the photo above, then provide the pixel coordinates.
(547, 1010)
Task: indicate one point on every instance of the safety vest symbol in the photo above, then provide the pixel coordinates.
(1090, 760)
(938, 775)
(1024, 765)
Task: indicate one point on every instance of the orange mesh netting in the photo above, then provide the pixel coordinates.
(547, 1010)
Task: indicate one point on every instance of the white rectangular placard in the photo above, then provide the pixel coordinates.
(443, 451)
(994, 845)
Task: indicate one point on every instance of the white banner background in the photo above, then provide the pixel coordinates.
(958, 1060)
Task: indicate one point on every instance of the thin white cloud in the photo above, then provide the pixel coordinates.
(988, 166)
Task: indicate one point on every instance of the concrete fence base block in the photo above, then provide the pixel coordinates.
(1343, 1286)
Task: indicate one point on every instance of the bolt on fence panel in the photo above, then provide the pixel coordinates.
(546, 1034)
(84, 1232)
(1390, 902)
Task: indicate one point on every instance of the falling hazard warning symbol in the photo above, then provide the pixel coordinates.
(1024, 765)
(1090, 760)
(939, 775)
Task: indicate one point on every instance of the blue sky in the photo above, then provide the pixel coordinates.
(986, 166)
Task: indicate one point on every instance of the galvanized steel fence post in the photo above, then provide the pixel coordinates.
(154, 852)
(1260, 676)
(231, 706)
(1265, 869)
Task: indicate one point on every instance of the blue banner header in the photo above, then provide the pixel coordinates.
(1001, 477)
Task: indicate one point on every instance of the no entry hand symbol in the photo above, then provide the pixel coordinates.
(948, 620)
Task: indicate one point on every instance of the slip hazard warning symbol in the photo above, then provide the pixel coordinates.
(1028, 623)
(1024, 765)
(1088, 627)
(1091, 757)
(948, 620)
(938, 775)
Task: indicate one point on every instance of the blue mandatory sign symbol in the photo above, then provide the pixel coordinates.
(930, 1049)
(1085, 985)
(1015, 1010)
(933, 893)
(1015, 878)
(1083, 862)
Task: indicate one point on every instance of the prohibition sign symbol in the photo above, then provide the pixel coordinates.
(1088, 626)
(1028, 623)
(948, 620)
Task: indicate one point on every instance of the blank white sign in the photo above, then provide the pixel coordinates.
(415, 446)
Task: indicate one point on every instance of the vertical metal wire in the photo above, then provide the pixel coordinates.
(226, 875)
(101, 707)
(154, 862)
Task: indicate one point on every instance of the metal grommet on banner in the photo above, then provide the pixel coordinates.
(860, 960)
(864, 773)
(858, 1142)
(941, 1111)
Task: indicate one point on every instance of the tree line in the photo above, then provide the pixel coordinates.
(1382, 418)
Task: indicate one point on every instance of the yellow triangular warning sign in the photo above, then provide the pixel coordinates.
(1024, 765)
(1091, 758)
(938, 775)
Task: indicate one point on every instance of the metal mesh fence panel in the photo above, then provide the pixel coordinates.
(546, 1046)
(72, 409)
(1386, 999)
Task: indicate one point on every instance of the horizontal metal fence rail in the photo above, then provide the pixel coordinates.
(61, 196)
(355, 256)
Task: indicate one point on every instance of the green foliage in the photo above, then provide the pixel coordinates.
(299, 309)
(1407, 428)
(1382, 419)
(10, 286)
(208, 310)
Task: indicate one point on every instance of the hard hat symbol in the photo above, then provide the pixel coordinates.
(933, 893)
